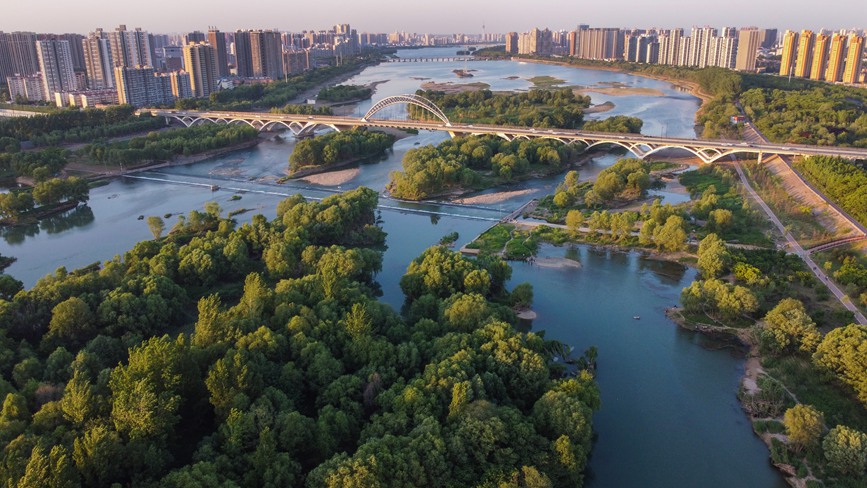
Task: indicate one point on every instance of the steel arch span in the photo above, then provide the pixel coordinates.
(407, 100)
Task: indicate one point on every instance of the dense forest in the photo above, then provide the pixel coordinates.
(19, 203)
(259, 356)
(39, 165)
(343, 93)
(618, 123)
(336, 147)
(472, 162)
(165, 145)
(536, 108)
(77, 125)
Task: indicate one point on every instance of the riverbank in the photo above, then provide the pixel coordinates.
(450, 87)
(689, 86)
(308, 172)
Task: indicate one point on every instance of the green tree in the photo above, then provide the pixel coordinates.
(574, 220)
(846, 451)
(843, 351)
(156, 225)
(671, 236)
(713, 256)
(788, 329)
(72, 322)
(804, 425)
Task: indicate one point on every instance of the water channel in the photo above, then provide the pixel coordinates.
(669, 418)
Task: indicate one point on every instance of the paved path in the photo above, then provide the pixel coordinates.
(803, 254)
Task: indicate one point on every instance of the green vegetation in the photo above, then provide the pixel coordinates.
(545, 82)
(821, 114)
(292, 374)
(618, 123)
(536, 108)
(475, 163)
(843, 181)
(21, 205)
(166, 145)
(343, 93)
(506, 241)
(338, 147)
(305, 109)
(78, 125)
(38, 165)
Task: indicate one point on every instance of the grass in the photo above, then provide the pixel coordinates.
(793, 214)
(545, 82)
(812, 387)
(662, 165)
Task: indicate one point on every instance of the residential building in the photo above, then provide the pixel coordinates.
(173, 58)
(804, 61)
(769, 38)
(76, 50)
(130, 48)
(55, 64)
(537, 42)
(217, 40)
(85, 98)
(27, 87)
(97, 60)
(600, 43)
(852, 71)
(512, 43)
(195, 37)
(836, 57)
(140, 88)
(700, 47)
(749, 40)
(819, 66)
(181, 85)
(790, 51)
(295, 62)
(201, 62)
(18, 54)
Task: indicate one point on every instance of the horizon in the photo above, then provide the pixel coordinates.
(377, 16)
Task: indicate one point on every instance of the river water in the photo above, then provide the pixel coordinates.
(669, 418)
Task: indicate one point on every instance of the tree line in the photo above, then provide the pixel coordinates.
(166, 145)
(335, 147)
(537, 108)
(844, 181)
(75, 125)
(258, 355)
(15, 204)
(342, 93)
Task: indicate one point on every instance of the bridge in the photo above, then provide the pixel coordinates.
(446, 59)
(708, 151)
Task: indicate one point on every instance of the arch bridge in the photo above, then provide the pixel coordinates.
(642, 146)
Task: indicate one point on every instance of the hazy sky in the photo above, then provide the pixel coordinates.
(433, 16)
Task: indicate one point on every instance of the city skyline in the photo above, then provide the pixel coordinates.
(445, 16)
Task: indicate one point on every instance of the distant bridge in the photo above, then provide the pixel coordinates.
(446, 59)
(641, 146)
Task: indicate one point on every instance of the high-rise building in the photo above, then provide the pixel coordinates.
(18, 54)
(536, 41)
(600, 43)
(852, 72)
(790, 50)
(700, 47)
(748, 46)
(295, 62)
(97, 60)
(195, 37)
(130, 48)
(55, 64)
(201, 62)
(181, 85)
(722, 52)
(140, 88)
(804, 61)
(217, 40)
(572, 43)
(75, 49)
(769, 38)
(266, 51)
(821, 44)
(836, 56)
(243, 54)
(512, 43)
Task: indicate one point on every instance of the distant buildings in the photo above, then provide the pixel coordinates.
(18, 54)
(536, 42)
(749, 41)
(139, 87)
(25, 87)
(835, 58)
(55, 64)
(512, 43)
(200, 60)
(98, 61)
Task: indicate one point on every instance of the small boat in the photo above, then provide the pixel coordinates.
(214, 187)
(636, 317)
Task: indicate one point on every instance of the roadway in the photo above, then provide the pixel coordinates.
(639, 144)
(801, 252)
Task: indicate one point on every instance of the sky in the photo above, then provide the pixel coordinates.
(436, 16)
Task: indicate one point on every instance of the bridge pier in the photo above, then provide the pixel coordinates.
(761, 154)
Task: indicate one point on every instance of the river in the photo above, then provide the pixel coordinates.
(669, 417)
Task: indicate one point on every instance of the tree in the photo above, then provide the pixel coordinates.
(846, 451)
(804, 425)
(574, 220)
(713, 256)
(671, 236)
(843, 351)
(156, 225)
(72, 321)
(788, 329)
